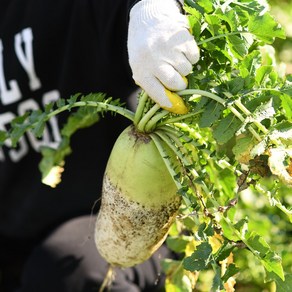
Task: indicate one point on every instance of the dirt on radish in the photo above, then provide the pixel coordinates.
(139, 201)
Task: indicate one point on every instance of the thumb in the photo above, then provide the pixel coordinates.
(178, 105)
(165, 98)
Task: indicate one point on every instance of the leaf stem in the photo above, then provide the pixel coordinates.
(153, 121)
(102, 105)
(176, 146)
(230, 107)
(221, 36)
(140, 108)
(165, 157)
(179, 118)
(202, 93)
(146, 117)
(248, 113)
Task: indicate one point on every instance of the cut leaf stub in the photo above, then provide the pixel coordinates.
(53, 178)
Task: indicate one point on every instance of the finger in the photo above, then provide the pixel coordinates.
(191, 51)
(165, 98)
(178, 105)
(169, 77)
(181, 64)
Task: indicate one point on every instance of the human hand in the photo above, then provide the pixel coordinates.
(161, 51)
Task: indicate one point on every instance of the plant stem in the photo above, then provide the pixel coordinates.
(102, 105)
(202, 93)
(146, 117)
(173, 132)
(175, 145)
(153, 121)
(165, 157)
(248, 113)
(179, 118)
(229, 106)
(140, 108)
(221, 36)
(172, 137)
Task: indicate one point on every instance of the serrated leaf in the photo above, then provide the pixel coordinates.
(177, 243)
(264, 111)
(273, 263)
(229, 17)
(225, 180)
(263, 73)
(235, 85)
(49, 107)
(178, 279)
(237, 46)
(258, 244)
(224, 251)
(37, 120)
(287, 105)
(250, 64)
(72, 100)
(194, 18)
(60, 102)
(214, 24)
(38, 130)
(241, 226)
(207, 5)
(226, 129)
(230, 272)
(3, 137)
(265, 28)
(217, 284)
(78, 120)
(200, 259)
(287, 87)
(270, 260)
(230, 231)
(34, 116)
(98, 97)
(211, 114)
(284, 286)
(17, 132)
(205, 230)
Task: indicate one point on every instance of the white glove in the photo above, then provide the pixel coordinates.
(161, 51)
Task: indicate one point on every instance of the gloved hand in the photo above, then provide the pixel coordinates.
(161, 51)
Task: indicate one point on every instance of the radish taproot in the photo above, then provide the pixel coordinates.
(139, 201)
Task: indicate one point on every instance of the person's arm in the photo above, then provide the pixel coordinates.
(161, 50)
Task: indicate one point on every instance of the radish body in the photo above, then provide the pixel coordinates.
(139, 201)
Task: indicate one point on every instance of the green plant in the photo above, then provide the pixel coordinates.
(233, 155)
